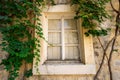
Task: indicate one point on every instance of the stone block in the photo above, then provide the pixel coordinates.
(116, 75)
(117, 63)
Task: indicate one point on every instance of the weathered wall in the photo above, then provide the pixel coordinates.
(104, 75)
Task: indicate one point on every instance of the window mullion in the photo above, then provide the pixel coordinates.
(63, 42)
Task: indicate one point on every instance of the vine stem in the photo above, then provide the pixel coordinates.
(25, 68)
(103, 57)
(113, 40)
(113, 7)
(110, 56)
(95, 77)
(113, 44)
(104, 54)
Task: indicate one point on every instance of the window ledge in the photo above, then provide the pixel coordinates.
(66, 69)
(87, 52)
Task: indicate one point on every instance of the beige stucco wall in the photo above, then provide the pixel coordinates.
(104, 75)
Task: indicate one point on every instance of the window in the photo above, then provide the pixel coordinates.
(63, 38)
(69, 51)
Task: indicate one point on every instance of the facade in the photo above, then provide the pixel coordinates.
(70, 55)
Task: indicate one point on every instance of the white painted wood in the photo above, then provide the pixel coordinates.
(63, 41)
(71, 30)
(71, 39)
(81, 41)
(68, 34)
(55, 45)
(54, 31)
(71, 45)
(54, 38)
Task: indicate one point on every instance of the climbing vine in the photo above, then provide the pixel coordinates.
(18, 26)
(92, 12)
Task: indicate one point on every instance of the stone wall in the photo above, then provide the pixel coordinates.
(104, 75)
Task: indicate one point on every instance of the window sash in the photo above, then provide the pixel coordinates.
(62, 31)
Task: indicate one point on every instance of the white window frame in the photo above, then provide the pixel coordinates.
(62, 17)
(86, 44)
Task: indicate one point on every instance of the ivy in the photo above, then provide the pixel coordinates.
(28, 73)
(18, 41)
(17, 20)
(91, 12)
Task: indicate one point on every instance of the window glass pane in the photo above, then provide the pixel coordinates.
(71, 52)
(54, 37)
(54, 52)
(71, 37)
(54, 24)
(70, 24)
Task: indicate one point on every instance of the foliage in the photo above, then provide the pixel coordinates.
(17, 24)
(18, 40)
(92, 12)
(28, 73)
